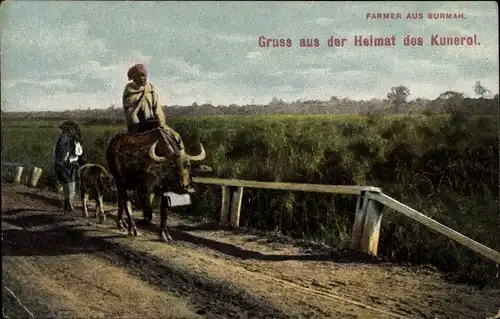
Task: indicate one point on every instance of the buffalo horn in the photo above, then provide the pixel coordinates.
(199, 157)
(152, 153)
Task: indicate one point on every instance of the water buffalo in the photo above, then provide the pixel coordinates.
(149, 162)
(94, 179)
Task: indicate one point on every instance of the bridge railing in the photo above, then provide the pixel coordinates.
(368, 212)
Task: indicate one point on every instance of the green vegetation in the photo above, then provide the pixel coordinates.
(446, 166)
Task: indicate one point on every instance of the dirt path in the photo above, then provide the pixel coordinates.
(71, 267)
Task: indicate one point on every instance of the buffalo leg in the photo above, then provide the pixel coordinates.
(129, 207)
(121, 195)
(120, 192)
(123, 222)
(128, 211)
(147, 209)
(164, 234)
(120, 221)
(119, 216)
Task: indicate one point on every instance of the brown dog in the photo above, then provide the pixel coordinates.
(94, 179)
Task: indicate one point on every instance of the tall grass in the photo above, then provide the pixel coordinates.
(444, 166)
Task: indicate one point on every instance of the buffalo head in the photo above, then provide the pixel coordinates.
(160, 151)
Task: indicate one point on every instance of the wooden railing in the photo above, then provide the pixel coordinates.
(368, 212)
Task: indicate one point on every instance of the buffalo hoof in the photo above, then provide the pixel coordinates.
(166, 238)
(133, 232)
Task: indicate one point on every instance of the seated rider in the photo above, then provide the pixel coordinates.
(140, 102)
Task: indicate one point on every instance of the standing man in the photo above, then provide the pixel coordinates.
(68, 156)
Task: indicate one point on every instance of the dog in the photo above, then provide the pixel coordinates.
(94, 180)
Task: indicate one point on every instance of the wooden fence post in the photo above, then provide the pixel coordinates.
(35, 176)
(359, 221)
(371, 227)
(224, 210)
(19, 174)
(236, 199)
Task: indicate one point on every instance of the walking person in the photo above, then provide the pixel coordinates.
(68, 157)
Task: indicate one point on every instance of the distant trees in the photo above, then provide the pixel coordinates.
(398, 96)
(451, 95)
(276, 101)
(480, 90)
(396, 102)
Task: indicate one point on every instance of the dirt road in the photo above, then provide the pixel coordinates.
(68, 266)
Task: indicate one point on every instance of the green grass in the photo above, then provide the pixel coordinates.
(445, 166)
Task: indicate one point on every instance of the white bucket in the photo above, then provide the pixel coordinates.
(175, 199)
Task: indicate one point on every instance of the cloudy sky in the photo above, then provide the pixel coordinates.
(75, 55)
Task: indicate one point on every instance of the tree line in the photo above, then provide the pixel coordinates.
(395, 102)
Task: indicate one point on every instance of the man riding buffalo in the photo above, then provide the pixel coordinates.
(150, 158)
(140, 102)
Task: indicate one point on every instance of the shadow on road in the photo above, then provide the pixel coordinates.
(57, 240)
(213, 299)
(15, 212)
(53, 201)
(179, 233)
(337, 256)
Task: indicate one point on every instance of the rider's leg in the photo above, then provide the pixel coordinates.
(176, 135)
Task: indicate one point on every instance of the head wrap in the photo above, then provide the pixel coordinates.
(72, 129)
(136, 69)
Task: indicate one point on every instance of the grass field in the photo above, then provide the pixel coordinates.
(444, 166)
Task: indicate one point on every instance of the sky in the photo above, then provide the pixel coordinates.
(66, 55)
